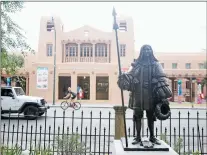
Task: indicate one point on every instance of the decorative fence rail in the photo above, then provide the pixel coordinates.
(84, 133)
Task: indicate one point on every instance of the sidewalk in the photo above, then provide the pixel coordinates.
(173, 105)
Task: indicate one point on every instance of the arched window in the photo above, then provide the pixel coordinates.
(86, 50)
(101, 50)
(71, 49)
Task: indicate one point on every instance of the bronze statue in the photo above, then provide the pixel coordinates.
(149, 91)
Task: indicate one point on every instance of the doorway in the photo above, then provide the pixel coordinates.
(63, 84)
(102, 88)
(84, 83)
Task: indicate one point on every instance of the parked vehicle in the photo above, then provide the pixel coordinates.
(14, 100)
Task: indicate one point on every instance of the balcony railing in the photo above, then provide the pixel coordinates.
(86, 59)
(71, 59)
(101, 59)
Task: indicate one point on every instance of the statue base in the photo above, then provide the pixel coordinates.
(147, 145)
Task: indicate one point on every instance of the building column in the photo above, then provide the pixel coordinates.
(63, 52)
(108, 53)
(93, 87)
(191, 99)
(195, 91)
(173, 89)
(74, 82)
(79, 52)
(94, 49)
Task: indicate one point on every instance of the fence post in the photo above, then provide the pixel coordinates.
(119, 122)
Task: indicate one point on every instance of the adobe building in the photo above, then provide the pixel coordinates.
(88, 57)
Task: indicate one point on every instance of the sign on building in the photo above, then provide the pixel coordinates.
(42, 78)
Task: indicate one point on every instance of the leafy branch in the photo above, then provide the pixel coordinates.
(12, 34)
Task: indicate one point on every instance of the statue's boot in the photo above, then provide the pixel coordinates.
(138, 128)
(154, 140)
(137, 140)
(151, 130)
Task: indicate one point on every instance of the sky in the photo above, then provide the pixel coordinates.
(166, 26)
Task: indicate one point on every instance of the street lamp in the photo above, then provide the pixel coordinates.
(54, 72)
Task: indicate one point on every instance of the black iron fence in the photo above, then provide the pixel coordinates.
(85, 133)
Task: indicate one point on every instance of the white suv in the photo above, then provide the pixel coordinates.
(14, 100)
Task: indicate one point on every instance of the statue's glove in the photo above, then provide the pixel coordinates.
(123, 82)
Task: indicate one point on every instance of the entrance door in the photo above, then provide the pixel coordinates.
(102, 88)
(63, 84)
(84, 83)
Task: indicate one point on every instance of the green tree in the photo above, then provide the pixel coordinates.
(12, 36)
(11, 63)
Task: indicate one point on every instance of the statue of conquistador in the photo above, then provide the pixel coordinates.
(149, 91)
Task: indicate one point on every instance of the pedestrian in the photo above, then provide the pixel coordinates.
(80, 93)
(78, 89)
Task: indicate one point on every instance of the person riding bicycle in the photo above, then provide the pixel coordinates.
(70, 94)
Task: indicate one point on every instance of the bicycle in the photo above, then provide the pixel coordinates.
(65, 105)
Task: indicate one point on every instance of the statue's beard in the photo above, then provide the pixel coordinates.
(146, 58)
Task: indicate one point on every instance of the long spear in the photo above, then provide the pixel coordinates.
(115, 27)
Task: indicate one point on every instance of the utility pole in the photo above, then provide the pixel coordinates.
(0, 79)
(54, 70)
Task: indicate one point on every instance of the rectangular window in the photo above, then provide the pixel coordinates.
(100, 50)
(123, 26)
(71, 50)
(49, 50)
(188, 66)
(201, 66)
(163, 65)
(122, 50)
(174, 65)
(50, 26)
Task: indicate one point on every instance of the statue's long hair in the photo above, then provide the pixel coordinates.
(141, 59)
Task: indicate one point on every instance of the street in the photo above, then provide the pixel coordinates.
(52, 122)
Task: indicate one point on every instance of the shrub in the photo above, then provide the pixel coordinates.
(10, 151)
(70, 144)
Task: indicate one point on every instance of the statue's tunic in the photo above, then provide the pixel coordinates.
(147, 84)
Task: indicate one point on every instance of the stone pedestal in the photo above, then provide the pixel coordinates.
(119, 149)
(119, 122)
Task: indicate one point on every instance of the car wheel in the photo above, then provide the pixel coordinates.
(31, 112)
(41, 113)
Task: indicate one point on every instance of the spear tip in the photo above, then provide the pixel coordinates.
(114, 12)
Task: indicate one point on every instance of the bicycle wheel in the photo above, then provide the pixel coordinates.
(64, 105)
(76, 105)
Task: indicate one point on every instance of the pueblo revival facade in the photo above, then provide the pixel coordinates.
(88, 57)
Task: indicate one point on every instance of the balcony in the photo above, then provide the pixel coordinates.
(71, 59)
(101, 60)
(86, 59)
